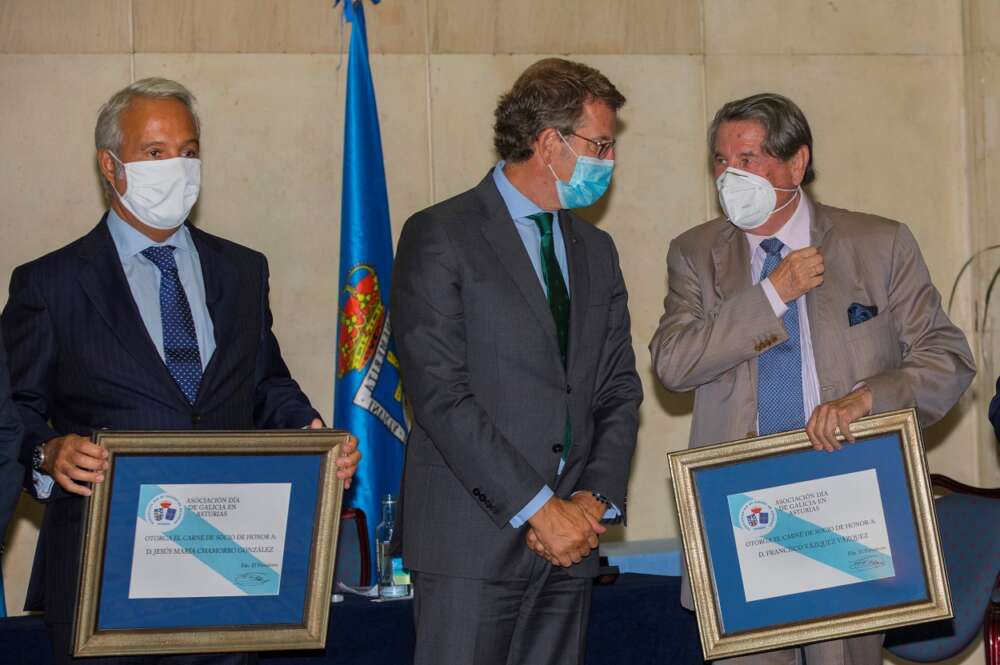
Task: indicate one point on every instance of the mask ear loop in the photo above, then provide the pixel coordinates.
(119, 171)
(798, 193)
(549, 165)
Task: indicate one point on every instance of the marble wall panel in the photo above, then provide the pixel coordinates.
(64, 26)
(273, 26)
(566, 26)
(838, 27)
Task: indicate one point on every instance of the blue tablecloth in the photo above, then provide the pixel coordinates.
(636, 620)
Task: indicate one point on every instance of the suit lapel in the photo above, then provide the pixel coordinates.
(221, 297)
(104, 282)
(819, 303)
(579, 284)
(498, 228)
(731, 258)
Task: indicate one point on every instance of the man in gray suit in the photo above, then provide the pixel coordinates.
(785, 313)
(513, 329)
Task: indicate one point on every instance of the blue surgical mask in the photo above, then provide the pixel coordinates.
(590, 179)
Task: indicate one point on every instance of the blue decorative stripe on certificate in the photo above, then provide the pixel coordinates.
(755, 582)
(781, 553)
(181, 550)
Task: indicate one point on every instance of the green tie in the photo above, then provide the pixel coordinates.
(558, 297)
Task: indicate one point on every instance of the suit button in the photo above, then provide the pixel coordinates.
(569, 389)
(557, 448)
(476, 492)
(195, 418)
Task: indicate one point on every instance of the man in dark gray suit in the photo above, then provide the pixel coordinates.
(513, 329)
(146, 322)
(11, 472)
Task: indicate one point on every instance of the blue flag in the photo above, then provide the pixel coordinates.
(368, 399)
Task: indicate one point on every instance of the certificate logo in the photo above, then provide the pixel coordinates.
(164, 510)
(758, 517)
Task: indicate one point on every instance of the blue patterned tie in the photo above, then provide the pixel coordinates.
(180, 342)
(779, 369)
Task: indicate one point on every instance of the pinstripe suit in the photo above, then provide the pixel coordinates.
(11, 471)
(82, 359)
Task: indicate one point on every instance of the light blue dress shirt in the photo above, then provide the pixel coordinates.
(520, 206)
(144, 282)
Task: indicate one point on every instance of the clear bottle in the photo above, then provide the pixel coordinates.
(393, 580)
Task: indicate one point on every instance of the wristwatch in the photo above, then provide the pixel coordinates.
(38, 457)
(607, 506)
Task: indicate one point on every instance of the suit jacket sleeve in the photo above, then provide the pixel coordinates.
(430, 333)
(278, 400)
(937, 363)
(11, 472)
(33, 359)
(692, 346)
(616, 402)
(995, 411)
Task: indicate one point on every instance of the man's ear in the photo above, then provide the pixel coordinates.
(107, 165)
(800, 161)
(547, 144)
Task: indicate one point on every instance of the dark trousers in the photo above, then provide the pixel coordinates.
(540, 620)
(61, 635)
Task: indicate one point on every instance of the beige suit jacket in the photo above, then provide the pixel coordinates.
(716, 323)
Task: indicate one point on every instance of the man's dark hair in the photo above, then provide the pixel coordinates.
(785, 126)
(550, 93)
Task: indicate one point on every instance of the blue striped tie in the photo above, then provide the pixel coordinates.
(779, 369)
(180, 342)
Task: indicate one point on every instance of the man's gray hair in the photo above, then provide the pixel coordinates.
(108, 132)
(785, 126)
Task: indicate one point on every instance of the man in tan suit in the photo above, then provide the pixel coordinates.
(785, 313)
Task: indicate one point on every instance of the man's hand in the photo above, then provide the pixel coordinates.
(588, 503)
(564, 531)
(347, 459)
(798, 273)
(72, 458)
(831, 417)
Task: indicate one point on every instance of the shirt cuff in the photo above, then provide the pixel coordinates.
(43, 484)
(529, 510)
(777, 304)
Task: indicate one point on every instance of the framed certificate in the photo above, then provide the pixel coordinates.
(209, 541)
(787, 545)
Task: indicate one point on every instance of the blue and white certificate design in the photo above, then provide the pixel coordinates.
(811, 535)
(209, 540)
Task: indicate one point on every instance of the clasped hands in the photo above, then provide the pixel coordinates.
(563, 532)
(72, 460)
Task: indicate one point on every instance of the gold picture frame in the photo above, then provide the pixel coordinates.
(718, 642)
(307, 448)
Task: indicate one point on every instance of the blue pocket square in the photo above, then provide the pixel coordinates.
(858, 313)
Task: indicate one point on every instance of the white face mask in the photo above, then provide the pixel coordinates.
(161, 192)
(747, 198)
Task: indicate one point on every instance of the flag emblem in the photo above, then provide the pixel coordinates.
(362, 317)
(164, 510)
(758, 517)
